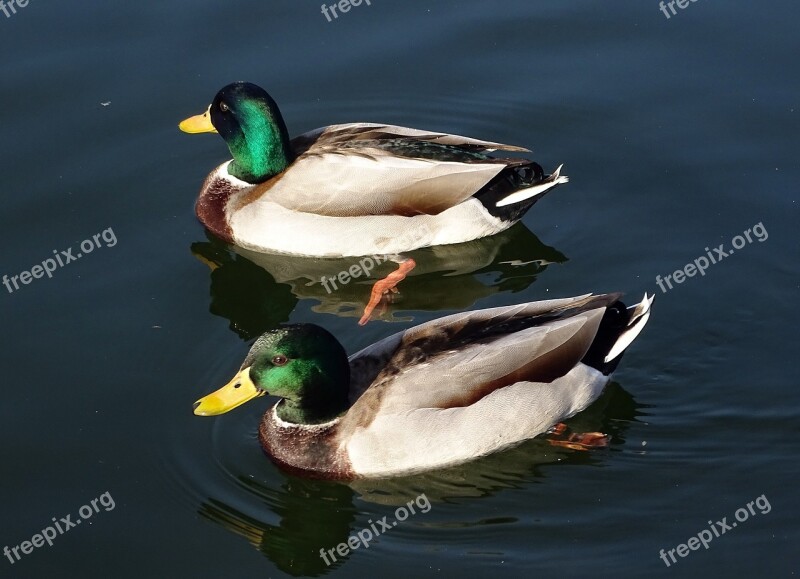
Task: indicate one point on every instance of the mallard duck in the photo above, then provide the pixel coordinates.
(438, 394)
(354, 189)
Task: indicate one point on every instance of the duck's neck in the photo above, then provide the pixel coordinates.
(261, 148)
(323, 394)
(316, 408)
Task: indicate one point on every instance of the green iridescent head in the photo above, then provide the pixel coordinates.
(302, 363)
(251, 124)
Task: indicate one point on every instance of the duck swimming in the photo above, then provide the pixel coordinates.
(355, 189)
(438, 394)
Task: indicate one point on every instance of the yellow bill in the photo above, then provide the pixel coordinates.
(198, 123)
(233, 394)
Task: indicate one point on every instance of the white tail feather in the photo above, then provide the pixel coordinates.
(640, 313)
(555, 179)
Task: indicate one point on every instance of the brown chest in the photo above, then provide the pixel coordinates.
(311, 452)
(210, 207)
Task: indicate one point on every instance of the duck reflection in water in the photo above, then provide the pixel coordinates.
(257, 291)
(291, 522)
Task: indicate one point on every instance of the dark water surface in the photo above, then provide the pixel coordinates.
(678, 134)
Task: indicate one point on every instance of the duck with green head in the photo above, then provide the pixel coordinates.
(355, 189)
(435, 395)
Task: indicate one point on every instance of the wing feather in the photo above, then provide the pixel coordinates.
(336, 135)
(354, 185)
(361, 169)
(458, 360)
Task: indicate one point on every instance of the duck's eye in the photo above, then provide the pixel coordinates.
(223, 107)
(280, 360)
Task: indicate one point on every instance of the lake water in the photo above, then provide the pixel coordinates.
(678, 134)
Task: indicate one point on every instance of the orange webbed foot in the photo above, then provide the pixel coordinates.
(384, 286)
(560, 435)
